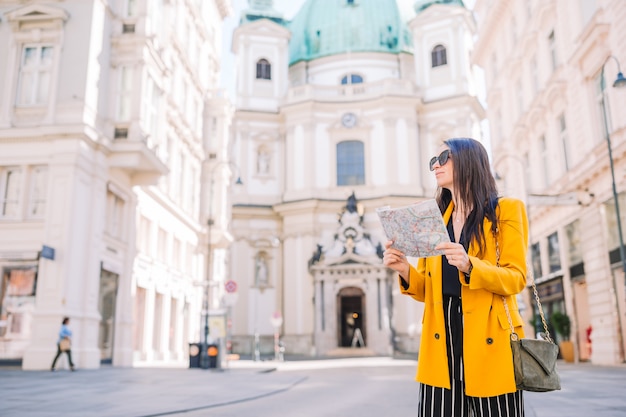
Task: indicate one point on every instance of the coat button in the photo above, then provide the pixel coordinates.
(489, 341)
(437, 336)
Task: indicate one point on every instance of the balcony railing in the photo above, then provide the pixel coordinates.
(350, 92)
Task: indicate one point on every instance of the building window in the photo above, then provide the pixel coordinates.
(131, 8)
(263, 70)
(144, 236)
(351, 79)
(35, 75)
(191, 190)
(182, 174)
(154, 22)
(38, 191)
(350, 163)
(189, 259)
(603, 111)
(162, 246)
(612, 230)
(125, 94)
(115, 215)
(552, 47)
(575, 243)
(176, 253)
(10, 191)
(554, 256)
(535, 254)
(438, 56)
(151, 110)
(564, 142)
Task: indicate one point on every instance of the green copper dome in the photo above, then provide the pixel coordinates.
(331, 27)
(421, 5)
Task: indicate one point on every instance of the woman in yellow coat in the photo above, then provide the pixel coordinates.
(465, 365)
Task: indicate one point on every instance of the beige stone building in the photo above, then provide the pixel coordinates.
(550, 68)
(109, 122)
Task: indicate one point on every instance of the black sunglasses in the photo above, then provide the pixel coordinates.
(442, 159)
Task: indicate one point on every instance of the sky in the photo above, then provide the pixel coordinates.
(289, 8)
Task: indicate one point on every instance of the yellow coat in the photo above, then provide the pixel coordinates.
(488, 363)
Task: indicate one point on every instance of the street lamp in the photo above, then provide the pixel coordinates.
(619, 82)
(204, 357)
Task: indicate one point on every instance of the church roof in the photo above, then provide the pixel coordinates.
(261, 9)
(421, 5)
(330, 27)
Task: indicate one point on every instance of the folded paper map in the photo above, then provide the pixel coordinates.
(415, 229)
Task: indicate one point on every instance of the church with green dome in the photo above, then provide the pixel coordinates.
(330, 28)
(336, 113)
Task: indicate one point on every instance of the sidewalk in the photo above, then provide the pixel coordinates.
(587, 390)
(144, 392)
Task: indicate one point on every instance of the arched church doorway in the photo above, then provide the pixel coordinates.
(351, 317)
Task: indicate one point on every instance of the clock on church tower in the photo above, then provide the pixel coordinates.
(348, 120)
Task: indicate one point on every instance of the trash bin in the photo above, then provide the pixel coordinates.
(194, 355)
(213, 353)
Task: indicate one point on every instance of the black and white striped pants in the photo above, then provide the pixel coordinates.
(442, 402)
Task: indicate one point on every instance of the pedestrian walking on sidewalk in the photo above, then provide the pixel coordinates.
(465, 364)
(64, 344)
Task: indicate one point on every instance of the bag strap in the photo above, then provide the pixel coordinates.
(514, 335)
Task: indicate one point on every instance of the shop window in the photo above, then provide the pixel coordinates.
(17, 291)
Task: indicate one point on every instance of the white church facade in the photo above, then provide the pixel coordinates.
(336, 114)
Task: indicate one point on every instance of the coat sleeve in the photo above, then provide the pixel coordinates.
(512, 240)
(416, 287)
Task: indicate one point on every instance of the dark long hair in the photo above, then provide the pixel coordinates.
(474, 185)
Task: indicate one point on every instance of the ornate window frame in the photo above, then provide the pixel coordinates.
(32, 25)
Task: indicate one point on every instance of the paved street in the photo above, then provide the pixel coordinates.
(367, 387)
